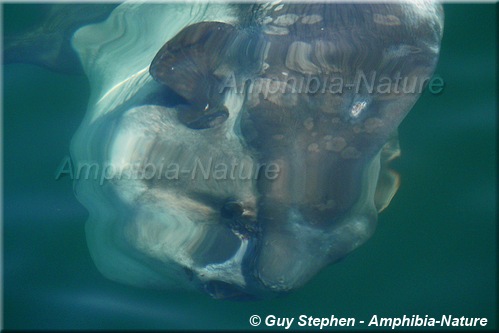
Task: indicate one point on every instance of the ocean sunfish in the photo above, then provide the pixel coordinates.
(271, 163)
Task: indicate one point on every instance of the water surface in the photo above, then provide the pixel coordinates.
(433, 252)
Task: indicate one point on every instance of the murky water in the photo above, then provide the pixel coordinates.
(432, 254)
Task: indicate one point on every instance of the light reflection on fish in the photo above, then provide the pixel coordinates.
(224, 92)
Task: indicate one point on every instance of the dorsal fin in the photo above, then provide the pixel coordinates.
(47, 44)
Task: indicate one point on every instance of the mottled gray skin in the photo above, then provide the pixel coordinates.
(324, 143)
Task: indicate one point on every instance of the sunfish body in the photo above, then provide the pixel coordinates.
(271, 163)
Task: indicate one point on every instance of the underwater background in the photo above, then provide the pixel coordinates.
(433, 253)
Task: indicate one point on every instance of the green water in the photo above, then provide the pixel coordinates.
(432, 254)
